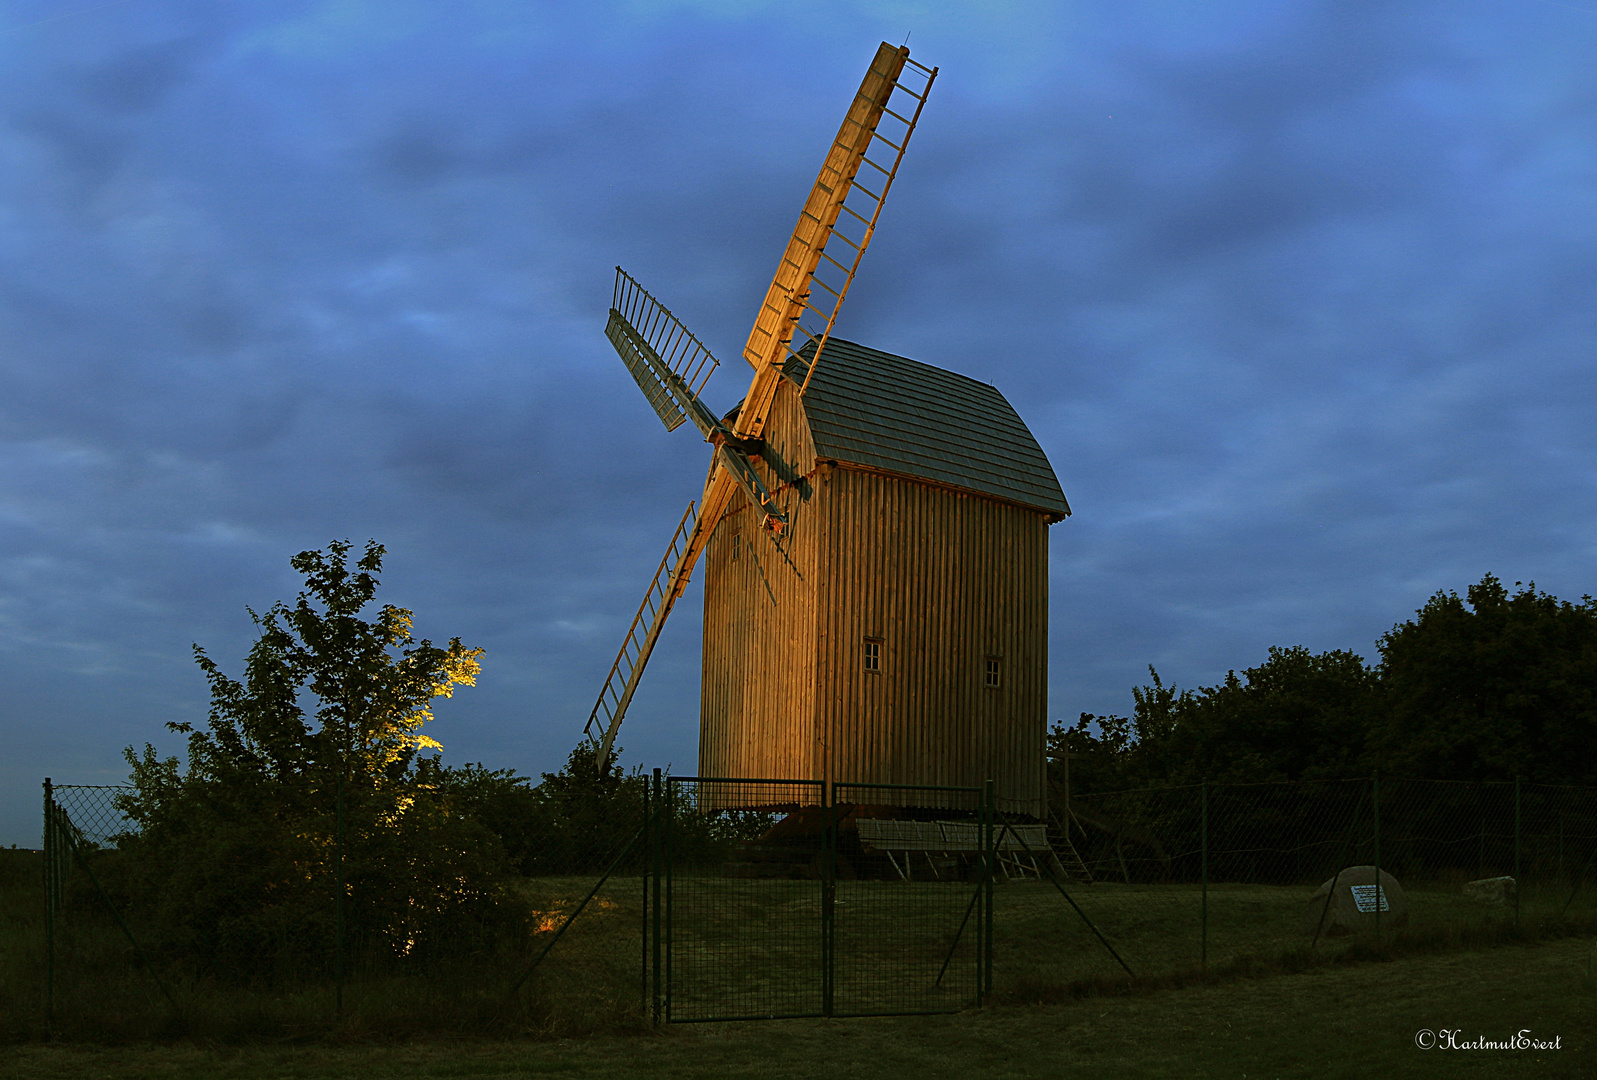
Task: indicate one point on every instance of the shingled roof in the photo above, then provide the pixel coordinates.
(871, 408)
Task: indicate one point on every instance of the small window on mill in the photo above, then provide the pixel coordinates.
(873, 654)
(737, 545)
(995, 671)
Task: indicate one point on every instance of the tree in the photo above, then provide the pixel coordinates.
(1297, 716)
(370, 703)
(1491, 687)
(311, 756)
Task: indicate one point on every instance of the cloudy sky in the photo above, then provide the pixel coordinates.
(1297, 296)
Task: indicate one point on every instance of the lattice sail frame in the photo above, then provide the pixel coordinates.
(841, 206)
(861, 198)
(687, 358)
(622, 682)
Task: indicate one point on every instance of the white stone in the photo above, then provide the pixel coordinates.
(1495, 891)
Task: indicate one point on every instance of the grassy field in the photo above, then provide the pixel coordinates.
(1039, 942)
(1267, 1005)
(1343, 1021)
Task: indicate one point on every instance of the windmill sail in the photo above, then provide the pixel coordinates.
(669, 364)
(669, 581)
(673, 397)
(814, 274)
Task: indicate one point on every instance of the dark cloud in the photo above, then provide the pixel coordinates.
(1294, 297)
(139, 79)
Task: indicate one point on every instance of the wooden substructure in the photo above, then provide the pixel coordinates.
(941, 848)
(878, 842)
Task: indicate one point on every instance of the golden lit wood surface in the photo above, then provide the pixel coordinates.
(789, 290)
(943, 578)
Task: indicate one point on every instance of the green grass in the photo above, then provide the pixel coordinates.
(1341, 1022)
(1041, 945)
(892, 937)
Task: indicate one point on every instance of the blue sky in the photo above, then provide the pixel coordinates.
(1296, 296)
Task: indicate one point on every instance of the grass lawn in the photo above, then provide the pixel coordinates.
(1268, 1009)
(1343, 1020)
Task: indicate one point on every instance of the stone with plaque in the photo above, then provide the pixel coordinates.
(1349, 901)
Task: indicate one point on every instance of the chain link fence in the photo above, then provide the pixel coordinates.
(1210, 876)
(779, 901)
(110, 960)
(690, 899)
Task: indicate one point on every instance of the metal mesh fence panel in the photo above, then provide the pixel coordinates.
(1269, 847)
(569, 933)
(1130, 847)
(87, 942)
(696, 899)
(909, 912)
(743, 922)
(93, 811)
(1209, 874)
(1559, 840)
(588, 887)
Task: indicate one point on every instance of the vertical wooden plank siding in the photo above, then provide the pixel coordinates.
(945, 579)
(757, 695)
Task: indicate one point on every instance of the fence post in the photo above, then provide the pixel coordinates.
(668, 832)
(828, 900)
(643, 880)
(1375, 807)
(50, 886)
(338, 901)
(1519, 886)
(1480, 857)
(989, 807)
(1204, 846)
(659, 859)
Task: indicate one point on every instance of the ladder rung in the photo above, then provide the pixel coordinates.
(835, 263)
(860, 217)
(844, 237)
(889, 142)
(867, 161)
(918, 97)
(866, 190)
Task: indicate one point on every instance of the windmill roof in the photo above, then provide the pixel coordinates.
(871, 408)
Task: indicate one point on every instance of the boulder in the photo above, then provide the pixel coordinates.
(1493, 891)
(1352, 903)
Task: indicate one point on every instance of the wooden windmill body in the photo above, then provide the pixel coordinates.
(906, 604)
(875, 529)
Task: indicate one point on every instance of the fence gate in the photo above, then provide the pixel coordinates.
(770, 900)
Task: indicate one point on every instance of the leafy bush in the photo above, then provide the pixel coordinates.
(307, 781)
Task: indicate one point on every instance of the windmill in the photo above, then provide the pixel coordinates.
(793, 470)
